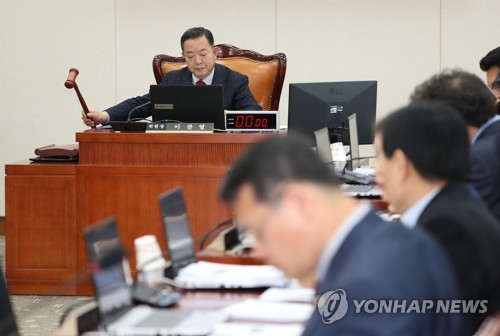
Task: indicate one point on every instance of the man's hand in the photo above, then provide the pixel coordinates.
(94, 118)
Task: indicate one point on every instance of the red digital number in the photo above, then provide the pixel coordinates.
(239, 121)
(249, 121)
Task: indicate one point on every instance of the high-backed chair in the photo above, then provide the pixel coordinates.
(265, 73)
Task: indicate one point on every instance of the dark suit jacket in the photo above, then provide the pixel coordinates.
(380, 260)
(237, 95)
(471, 236)
(485, 170)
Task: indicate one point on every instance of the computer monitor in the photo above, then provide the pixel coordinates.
(312, 106)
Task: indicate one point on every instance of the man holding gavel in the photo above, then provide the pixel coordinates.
(199, 52)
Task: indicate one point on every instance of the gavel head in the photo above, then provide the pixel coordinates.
(70, 82)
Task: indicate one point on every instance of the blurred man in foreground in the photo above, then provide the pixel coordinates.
(282, 192)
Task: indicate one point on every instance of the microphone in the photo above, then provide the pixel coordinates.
(216, 228)
(356, 177)
(71, 84)
(135, 109)
(354, 159)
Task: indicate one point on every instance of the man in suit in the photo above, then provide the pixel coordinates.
(421, 166)
(475, 103)
(290, 200)
(199, 52)
(491, 65)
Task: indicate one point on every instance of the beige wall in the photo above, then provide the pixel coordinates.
(399, 43)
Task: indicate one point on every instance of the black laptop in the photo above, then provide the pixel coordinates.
(104, 248)
(190, 273)
(120, 317)
(189, 103)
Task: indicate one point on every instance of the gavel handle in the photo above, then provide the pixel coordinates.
(71, 83)
(82, 101)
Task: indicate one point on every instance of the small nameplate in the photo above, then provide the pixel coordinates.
(164, 106)
(180, 127)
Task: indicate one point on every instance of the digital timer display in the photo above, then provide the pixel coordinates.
(252, 121)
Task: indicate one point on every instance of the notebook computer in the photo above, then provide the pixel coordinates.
(349, 187)
(189, 103)
(190, 273)
(103, 245)
(119, 315)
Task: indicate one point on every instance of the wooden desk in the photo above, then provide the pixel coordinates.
(49, 205)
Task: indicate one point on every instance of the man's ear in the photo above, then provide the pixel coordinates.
(302, 202)
(216, 51)
(403, 166)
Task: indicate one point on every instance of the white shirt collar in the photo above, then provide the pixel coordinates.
(208, 80)
(411, 216)
(339, 236)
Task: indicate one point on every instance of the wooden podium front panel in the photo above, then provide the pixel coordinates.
(41, 230)
(133, 199)
(106, 148)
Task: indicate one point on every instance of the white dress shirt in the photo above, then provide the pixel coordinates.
(208, 80)
(411, 216)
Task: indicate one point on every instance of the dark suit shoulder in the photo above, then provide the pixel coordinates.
(380, 261)
(471, 237)
(485, 170)
(222, 71)
(382, 247)
(455, 204)
(178, 77)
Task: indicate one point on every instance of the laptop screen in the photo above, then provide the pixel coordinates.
(114, 296)
(177, 229)
(189, 103)
(109, 275)
(101, 238)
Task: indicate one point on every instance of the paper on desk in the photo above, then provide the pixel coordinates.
(255, 329)
(365, 170)
(304, 295)
(228, 275)
(266, 311)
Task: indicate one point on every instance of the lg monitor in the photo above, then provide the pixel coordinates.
(313, 106)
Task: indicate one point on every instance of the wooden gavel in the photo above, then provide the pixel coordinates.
(71, 84)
